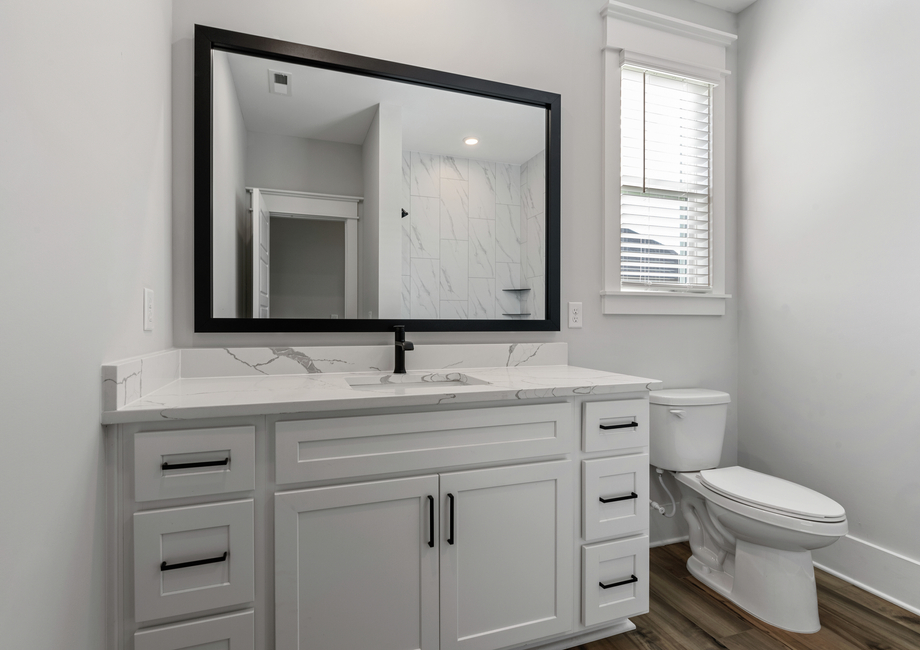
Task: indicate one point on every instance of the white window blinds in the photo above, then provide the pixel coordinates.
(665, 181)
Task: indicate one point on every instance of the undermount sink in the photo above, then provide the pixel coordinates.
(413, 381)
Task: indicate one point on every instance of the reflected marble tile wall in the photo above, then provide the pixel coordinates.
(466, 237)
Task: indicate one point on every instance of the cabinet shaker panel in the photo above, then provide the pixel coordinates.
(193, 462)
(356, 566)
(615, 496)
(619, 424)
(331, 448)
(506, 555)
(615, 580)
(230, 632)
(193, 559)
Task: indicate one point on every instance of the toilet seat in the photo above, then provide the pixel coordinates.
(773, 494)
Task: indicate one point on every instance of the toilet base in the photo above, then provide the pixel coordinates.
(776, 586)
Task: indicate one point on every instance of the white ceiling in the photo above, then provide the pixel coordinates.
(339, 107)
(733, 6)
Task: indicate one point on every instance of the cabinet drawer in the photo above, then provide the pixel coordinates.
(231, 632)
(193, 462)
(620, 424)
(312, 450)
(192, 559)
(615, 493)
(622, 567)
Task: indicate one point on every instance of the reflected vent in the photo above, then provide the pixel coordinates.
(279, 83)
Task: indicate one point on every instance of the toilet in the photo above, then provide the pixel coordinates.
(751, 534)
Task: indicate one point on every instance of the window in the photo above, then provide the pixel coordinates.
(665, 161)
(667, 156)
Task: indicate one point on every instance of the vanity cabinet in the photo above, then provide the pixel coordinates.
(429, 528)
(366, 565)
(615, 500)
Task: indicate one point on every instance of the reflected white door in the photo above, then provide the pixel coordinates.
(260, 257)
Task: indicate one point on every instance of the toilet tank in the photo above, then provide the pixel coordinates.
(686, 428)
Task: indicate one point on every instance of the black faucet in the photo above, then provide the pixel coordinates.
(402, 346)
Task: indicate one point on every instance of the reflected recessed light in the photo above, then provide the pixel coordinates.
(471, 141)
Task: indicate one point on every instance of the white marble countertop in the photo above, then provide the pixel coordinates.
(220, 396)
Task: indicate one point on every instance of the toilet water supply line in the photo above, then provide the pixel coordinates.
(661, 509)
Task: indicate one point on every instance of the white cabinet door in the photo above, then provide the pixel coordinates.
(356, 566)
(506, 555)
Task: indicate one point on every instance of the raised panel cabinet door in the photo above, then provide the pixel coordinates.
(506, 555)
(356, 566)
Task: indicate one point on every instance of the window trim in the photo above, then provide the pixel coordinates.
(621, 48)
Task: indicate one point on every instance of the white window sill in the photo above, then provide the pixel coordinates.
(663, 303)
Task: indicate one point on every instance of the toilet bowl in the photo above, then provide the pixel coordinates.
(751, 534)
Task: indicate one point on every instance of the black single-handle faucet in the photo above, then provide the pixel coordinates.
(402, 346)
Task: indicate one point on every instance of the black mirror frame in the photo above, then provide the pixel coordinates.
(211, 38)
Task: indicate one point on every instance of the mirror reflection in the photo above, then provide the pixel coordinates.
(338, 195)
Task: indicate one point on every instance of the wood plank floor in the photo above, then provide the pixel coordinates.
(685, 615)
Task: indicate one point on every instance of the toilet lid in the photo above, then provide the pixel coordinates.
(770, 493)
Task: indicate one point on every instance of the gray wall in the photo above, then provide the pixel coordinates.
(369, 224)
(307, 276)
(230, 199)
(380, 228)
(280, 162)
(85, 181)
(830, 351)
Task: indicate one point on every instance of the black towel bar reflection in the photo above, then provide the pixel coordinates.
(631, 495)
(620, 583)
(205, 463)
(607, 427)
(185, 565)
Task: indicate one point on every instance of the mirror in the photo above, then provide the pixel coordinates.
(340, 193)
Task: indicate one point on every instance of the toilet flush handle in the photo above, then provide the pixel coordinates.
(679, 412)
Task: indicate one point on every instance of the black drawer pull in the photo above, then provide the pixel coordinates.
(206, 463)
(619, 584)
(430, 521)
(450, 537)
(607, 427)
(632, 495)
(184, 565)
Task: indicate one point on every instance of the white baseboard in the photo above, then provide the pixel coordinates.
(665, 542)
(879, 571)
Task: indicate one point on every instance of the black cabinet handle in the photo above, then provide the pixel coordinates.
(619, 584)
(607, 427)
(450, 537)
(632, 495)
(430, 521)
(184, 565)
(206, 463)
